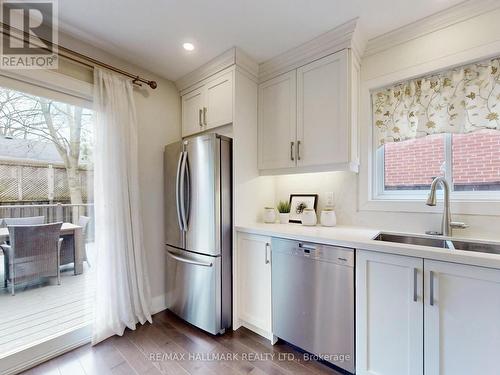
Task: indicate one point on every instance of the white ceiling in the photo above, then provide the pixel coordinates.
(150, 33)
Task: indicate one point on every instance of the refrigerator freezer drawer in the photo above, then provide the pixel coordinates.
(194, 288)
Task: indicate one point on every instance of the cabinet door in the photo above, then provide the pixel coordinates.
(277, 122)
(219, 101)
(462, 319)
(323, 130)
(254, 281)
(192, 112)
(389, 314)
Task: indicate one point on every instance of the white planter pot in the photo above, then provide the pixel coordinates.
(284, 218)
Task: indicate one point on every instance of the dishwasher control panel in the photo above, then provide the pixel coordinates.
(325, 253)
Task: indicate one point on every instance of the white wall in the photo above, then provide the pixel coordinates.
(472, 39)
(158, 115)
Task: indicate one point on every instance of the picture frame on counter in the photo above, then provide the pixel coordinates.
(299, 202)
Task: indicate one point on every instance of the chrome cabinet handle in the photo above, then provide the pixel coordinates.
(298, 150)
(205, 116)
(415, 278)
(189, 261)
(266, 258)
(200, 112)
(291, 151)
(431, 297)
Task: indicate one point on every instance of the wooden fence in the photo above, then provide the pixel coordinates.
(29, 181)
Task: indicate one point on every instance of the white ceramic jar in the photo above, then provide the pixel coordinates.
(328, 217)
(309, 217)
(269, 215)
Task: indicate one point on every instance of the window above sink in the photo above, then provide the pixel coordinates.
(443, 122)
(469, 162)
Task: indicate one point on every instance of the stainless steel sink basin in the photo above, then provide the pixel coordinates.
(412, 240)
(479, 247)
(443, 243)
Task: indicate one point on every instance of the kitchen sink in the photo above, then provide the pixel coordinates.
(479, 247)
(412, 240)
(443, 243)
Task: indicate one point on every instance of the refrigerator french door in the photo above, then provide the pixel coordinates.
(198, 196)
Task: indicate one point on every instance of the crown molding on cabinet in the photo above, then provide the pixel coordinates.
(233, 56)
(458, 13)
(344, 36)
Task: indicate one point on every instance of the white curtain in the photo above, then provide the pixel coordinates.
(458, 100)
(123, 295)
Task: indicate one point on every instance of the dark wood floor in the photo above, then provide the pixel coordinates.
(146, 350)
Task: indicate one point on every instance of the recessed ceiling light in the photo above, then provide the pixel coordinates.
(188, 46)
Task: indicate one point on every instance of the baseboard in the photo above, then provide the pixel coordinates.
(259, 331)
(158, 303)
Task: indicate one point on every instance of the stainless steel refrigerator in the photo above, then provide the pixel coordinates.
(198, 196)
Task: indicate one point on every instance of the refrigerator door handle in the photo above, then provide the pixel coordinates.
(182, 189)
(189, 261)
(177, 190)
(187, 190)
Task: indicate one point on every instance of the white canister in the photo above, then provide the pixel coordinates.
(269, 215)
(328, 217)
(308, 217)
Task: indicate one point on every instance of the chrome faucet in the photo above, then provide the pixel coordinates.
(446, 225)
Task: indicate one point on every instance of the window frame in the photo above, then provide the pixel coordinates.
(380, 193)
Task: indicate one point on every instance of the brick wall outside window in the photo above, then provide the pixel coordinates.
(413, 164)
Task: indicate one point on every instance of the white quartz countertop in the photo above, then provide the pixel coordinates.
(362, 238)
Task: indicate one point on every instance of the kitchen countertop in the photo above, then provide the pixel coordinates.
(362, 238)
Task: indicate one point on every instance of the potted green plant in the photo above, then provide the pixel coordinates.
(284, 210)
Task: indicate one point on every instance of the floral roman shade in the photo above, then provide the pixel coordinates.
(459, 100)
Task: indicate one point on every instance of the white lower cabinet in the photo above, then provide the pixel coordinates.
(253, 267)
(462, 321)
(389, 314)
(453, 330)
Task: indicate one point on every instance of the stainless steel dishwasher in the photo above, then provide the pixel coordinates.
(313, 299)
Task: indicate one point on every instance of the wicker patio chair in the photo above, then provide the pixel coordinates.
(68, 249)
(33, 253)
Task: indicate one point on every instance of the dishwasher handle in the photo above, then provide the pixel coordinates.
(307, 246)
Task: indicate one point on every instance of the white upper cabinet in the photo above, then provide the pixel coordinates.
(208, 106)
(462, 319)
(389, 314)
(219, 101)
(277, 122)
(307, 117)
(192, 112)
(322, 111)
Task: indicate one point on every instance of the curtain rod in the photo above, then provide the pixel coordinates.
(76, 56)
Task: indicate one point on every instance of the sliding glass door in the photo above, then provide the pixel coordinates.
(46, 224)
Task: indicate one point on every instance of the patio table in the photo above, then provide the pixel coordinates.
(67, 229)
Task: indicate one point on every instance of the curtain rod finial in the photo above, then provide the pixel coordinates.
(153, 84)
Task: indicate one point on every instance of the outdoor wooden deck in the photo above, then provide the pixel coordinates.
(40, 311)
